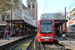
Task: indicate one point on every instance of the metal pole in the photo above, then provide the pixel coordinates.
(11, 15)
(69, 31)
(65, 13)
(11, 19)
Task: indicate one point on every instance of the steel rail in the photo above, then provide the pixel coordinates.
(29, 44)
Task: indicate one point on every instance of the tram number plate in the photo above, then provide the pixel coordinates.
(46, 39)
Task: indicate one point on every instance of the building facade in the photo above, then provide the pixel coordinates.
(26, 15)
(56, 16)
(71, 23)
(32, 6)
(30, 16)
(48, 16)
(16, 14)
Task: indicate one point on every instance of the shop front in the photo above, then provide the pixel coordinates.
(19, 25)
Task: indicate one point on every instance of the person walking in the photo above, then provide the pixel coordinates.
(2, 33)
(5, 34)
(8, 33)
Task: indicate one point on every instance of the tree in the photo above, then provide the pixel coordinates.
(6, 5)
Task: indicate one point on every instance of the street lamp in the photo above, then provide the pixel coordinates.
(69, 17)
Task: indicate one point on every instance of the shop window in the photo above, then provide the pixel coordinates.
(3, 17)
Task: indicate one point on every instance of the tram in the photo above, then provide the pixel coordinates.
(45, 31)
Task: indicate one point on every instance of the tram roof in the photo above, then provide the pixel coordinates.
(24, 23)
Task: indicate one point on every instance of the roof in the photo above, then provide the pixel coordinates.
(61, 21)
(31, 0)
(24, 23)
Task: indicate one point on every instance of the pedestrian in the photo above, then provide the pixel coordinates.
(60, 34)
(8, 33)
(63, 34)
(23, 32)
(57, 32)
(2, 33)
(5, 34)
(17, 33)
(29, 32)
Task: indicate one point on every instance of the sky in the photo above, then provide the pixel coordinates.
(51, 6)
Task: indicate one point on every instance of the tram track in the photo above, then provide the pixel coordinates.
(24, 44)
(52, 46)
(47, 45)
(35, 45)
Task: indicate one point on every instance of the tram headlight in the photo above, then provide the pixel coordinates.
(41, 37)
(51, 37)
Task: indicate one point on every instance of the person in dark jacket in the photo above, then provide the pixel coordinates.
(2, 33)
(17, 33)
(23, 32)
(57, 32)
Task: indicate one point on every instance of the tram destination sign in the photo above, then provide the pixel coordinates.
(45, 21)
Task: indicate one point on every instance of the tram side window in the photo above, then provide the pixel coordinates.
(38, 29)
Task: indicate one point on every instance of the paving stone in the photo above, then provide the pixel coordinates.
(69, 42)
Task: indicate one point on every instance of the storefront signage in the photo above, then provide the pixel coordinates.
(18, 24)
(72, 22)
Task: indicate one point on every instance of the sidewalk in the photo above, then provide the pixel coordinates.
(69, 43)
(4, 43)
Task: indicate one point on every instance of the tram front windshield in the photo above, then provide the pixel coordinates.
(46, 26)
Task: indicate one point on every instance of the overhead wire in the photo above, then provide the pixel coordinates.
(44, 6)
(47, 4)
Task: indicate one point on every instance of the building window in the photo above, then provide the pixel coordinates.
(8, 16)
(3, 17)
(33, 6)
(28, 6)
